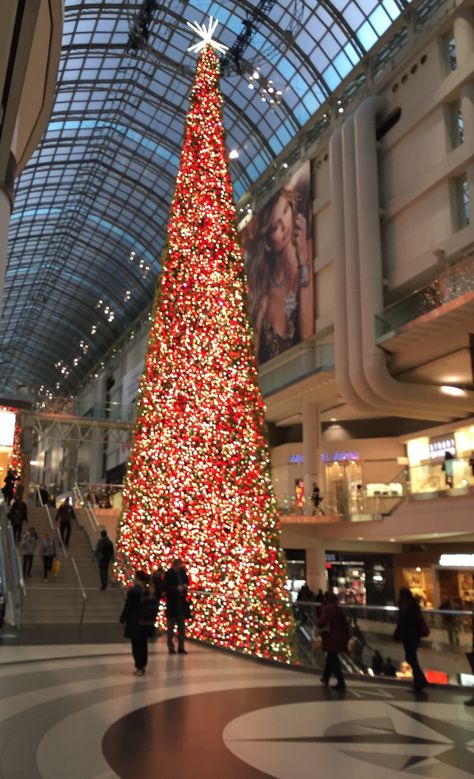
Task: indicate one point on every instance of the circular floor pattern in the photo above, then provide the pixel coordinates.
(285, 732)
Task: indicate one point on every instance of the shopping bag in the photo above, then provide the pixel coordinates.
(56, 567)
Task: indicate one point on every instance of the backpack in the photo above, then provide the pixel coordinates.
(148, 609)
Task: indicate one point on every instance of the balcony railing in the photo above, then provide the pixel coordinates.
(456, 284)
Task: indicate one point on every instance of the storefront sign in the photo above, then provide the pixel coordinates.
(296, 458)
(457, 560)
(337, 457)
(442, 444)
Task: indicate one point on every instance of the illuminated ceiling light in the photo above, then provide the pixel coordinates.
(285, 165)
(455, 392)
(340, 110)
(279, 92)
(271, 90)
(333, 419)
(255, 74)
(233, 155)
(250, 86)
(393, 540)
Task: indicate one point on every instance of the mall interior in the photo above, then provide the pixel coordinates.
(360, 114)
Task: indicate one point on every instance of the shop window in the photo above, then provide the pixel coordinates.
(463, 216)
(450, 55)
(456, 125)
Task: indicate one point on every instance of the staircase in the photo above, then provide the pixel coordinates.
(73, 596)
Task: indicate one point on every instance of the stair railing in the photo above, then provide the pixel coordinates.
(81, 587)
(93, 527)
(53, 526)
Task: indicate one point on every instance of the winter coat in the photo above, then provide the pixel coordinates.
(130, 616)
(65, 514)
(18, 513)
(176, 604)
(332, 621)
(29, 544)
(409, 622)
(48, 548)
(104, 549)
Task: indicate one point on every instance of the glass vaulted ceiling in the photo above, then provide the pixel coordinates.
(91, 207)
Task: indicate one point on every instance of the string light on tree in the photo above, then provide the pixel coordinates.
(199, 483)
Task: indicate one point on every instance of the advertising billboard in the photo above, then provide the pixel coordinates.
(279, 261)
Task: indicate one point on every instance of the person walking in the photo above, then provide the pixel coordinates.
(9, 487)
(177, 607)
(104, 553)
(408, 631)
(18, 515)
(139, 617)
(65, 514)
(316, 499)
(42, 495)
(28, 550)
(48, 553)
(334, 629)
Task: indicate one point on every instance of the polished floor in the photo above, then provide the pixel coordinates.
(75, 711)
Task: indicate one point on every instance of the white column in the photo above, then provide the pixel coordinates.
(311, 449)
(316, 568)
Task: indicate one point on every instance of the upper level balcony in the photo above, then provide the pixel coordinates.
(434, 309)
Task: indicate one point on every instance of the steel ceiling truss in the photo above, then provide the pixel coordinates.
(79, 430)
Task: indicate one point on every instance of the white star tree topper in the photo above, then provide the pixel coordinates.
(206, 35)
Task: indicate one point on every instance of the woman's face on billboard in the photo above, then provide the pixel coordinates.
(281, 227)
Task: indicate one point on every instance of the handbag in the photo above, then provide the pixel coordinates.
(424, 629)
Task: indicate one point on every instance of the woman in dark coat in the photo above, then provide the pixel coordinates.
(335, 635)
(408, 632)
(139, 616)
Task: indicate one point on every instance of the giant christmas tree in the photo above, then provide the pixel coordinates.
(198, 484)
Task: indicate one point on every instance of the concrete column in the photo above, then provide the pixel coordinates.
(464, 36)
(311, 449)
(316, 568)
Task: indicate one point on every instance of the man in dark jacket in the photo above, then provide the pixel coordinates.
(335, 635)
(104, 553)
(17, 515)
(176, 584)
(138, 616)
(65, 514)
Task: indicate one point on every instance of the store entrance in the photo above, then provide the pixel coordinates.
(341, 481)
